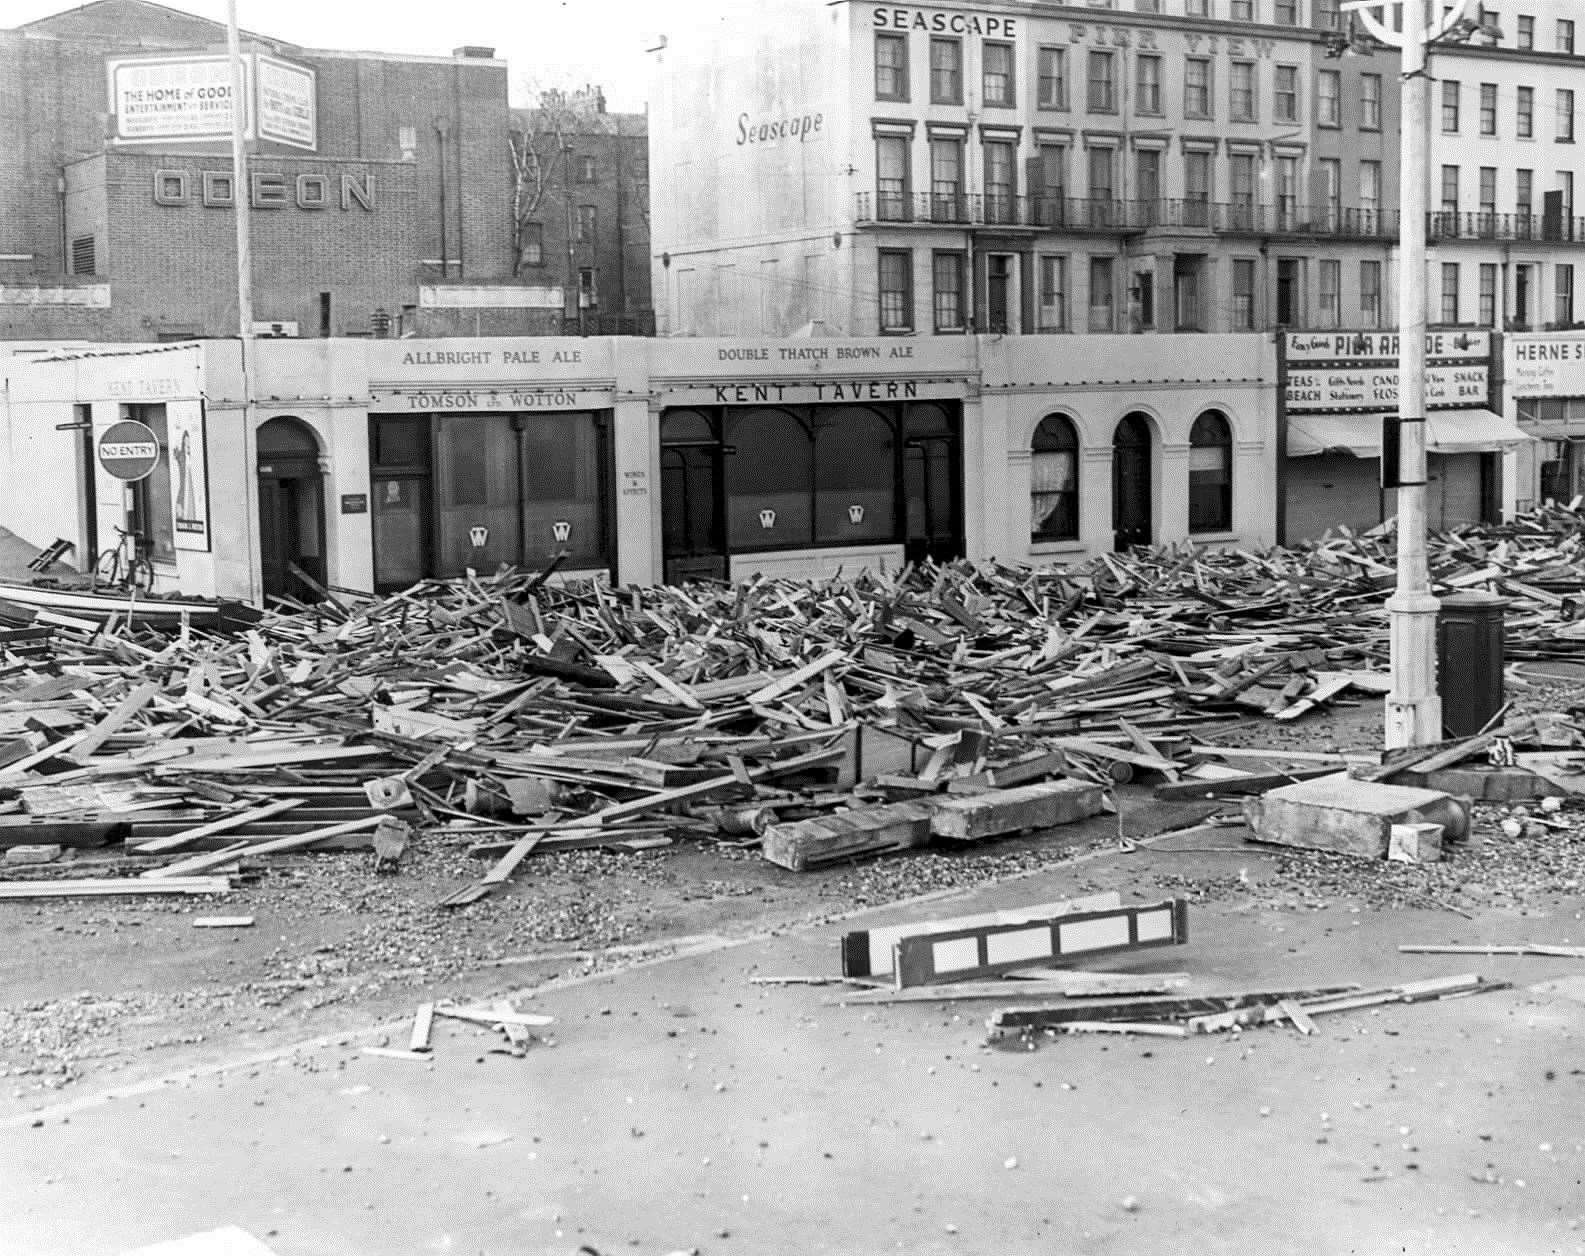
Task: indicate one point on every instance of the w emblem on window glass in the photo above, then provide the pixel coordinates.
(561, 529)
(855, 514)
(767, 518)
(478, 534)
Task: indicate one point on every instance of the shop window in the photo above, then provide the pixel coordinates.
(151, 515)
(564, 460)
(1210, 474)
(854, 477)
(1054, 481)
(770, 468)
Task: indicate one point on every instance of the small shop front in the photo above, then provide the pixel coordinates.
(805, 457)
(1338, 387)
(1544, 379)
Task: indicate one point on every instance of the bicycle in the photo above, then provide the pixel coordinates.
(125, 565)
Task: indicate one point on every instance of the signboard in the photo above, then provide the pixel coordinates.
(354, 503)
(189, 98)
(1337, 346)
(1377, 388)
(441, 398)
(184, 425)
(129, 450)
(1545, 364)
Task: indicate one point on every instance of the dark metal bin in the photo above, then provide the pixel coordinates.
(1470, 659)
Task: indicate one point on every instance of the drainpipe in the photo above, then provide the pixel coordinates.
(442, 127)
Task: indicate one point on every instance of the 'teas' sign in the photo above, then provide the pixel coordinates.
(129, 450)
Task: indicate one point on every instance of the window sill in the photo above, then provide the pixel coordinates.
(1217, 534)
(1072, 545)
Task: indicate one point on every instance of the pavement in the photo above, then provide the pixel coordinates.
(678, 1106)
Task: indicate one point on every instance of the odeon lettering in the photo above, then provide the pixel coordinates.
(267, 189)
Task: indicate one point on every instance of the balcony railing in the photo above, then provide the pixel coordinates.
(1105, 214)
(1447, 225)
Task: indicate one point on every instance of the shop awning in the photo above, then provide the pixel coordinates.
(1446, 432)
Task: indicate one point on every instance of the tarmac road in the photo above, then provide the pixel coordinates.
(682, 1107)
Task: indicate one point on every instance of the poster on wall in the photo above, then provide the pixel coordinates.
(184, 424)
(189, 98)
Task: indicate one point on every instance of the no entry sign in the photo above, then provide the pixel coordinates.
(129, 450)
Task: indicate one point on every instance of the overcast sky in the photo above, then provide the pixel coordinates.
(549, 43)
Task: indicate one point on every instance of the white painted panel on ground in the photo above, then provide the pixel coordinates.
(1003, 948)
(959, 953)
(1154, 925)
(1091, 935)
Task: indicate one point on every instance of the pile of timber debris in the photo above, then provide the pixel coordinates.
(823, 720)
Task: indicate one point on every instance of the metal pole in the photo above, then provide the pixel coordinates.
(239, 178)
(1414, 709)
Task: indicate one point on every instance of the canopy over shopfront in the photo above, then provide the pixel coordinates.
(1446, 432)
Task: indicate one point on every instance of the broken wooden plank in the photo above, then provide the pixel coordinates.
(114, 887)
(155, 845)
(219, 858)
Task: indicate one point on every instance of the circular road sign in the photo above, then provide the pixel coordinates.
(129, 450)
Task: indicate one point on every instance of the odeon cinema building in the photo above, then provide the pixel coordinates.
(374, 463)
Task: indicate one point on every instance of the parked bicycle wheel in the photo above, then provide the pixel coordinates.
(140, 575)
(107, 568)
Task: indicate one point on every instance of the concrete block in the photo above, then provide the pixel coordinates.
(1352, 817)
(1040, 806)
(804, 844)
(1415, 843)
(32, 854)
(1479, 780)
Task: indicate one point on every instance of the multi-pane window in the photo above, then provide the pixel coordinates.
(1210, 474)
(1328, 98)
(1488, 293)
(1101, 182)
(1241, 90)
(1565, 34)
(891, 178)
(1286, 12)
(1147, 93)
(946, 272)
(946, 180)
(1565, 115)
(1054, 481)
(1243, 294)
(1197, 8)
(1563, 294)
(1370, 102)
(1285, 95)
(1197, 87)
(1103, 298)
(1450, 292)
(1196, 187)
(1052, 78)
(1054, 294)
(531, 244)
(1147, 178)
(1524, 112)
(946, 71)
(1050, 173)
(1000, 188)
(1369, 189)
(1488, 109)
(1330, 273)
(1450, 189)
(1102, 97)
(1565, 185)
(1523, 183)
(1330, 171)
(1488, 197)
(588, 170)
(1242, 10)
(896, 270)
(1450, 106)
(1328, 15)
(588, 216)
(997, 74)
(1370, 293)
(891, 66)
(1241, 179)
(1287, 191)
(1526, 33)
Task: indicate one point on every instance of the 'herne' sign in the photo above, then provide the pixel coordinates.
(129, 450)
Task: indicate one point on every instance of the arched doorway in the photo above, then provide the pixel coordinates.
(291, 508)
(1132, 523)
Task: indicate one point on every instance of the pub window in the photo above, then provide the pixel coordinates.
(1054, 481)
(946, 71)
(896, 289)
(83, 261)
(1052, 84)
(564, 460)
(891, 67)
(151, 516)
(531, 243)
(1210, 474)
(770, 467)
(854, 476)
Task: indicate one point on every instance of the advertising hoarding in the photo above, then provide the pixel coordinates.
(189, 98)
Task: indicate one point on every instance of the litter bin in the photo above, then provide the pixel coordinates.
(1470, 658)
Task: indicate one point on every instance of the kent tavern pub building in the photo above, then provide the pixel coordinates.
(372, 463)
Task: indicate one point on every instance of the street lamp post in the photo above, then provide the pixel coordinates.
(1414, 708)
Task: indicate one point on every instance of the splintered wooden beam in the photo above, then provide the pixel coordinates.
(965, 954)
(1150, 1008)
(187, 836)
(114, 887)
(219, 858)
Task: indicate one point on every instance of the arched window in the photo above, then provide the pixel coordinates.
(1210, 474)
(1054, 481)
(855, 476)
(770, 478)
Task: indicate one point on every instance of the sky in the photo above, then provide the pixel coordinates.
(548, 43)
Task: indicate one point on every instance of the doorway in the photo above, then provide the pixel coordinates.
(693, 545)
(291, 509)
(1131, 508)
(932, 472)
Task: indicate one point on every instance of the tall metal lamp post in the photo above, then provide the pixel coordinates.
(1414, 708)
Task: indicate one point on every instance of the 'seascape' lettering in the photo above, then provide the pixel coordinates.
(945, 23)
(799, 127)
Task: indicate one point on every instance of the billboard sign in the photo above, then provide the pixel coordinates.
(189, 98)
